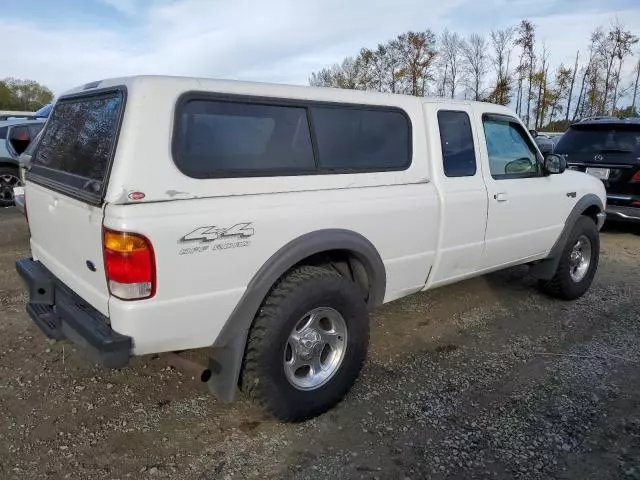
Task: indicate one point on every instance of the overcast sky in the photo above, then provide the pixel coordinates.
(65, 43)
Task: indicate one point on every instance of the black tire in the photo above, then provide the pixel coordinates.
(263, 375)
(562, 285)
(6, 187)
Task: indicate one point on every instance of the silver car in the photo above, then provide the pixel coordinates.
(15, 136)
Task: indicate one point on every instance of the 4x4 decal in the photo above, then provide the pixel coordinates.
(232, 237)
(212, 233)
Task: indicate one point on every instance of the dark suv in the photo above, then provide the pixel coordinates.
(608, 148)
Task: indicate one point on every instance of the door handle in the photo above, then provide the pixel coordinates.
(501, 197)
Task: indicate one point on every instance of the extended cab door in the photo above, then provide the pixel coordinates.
(527, 209)
(457, 171)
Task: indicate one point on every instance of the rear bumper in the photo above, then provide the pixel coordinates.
(627, 214)
(61, 314)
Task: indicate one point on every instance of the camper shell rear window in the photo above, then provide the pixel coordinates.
(76, 148)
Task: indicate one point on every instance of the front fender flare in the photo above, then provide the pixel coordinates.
(546, 269)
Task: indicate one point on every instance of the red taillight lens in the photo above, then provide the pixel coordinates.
(636, 177)
(129, 264)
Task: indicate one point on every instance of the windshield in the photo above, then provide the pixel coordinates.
(600, 139)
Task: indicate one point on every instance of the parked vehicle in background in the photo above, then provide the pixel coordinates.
(544, 142)
(23, 163)
(555, 139)
(45, 111)
(15, 115)
(15, 137)
(609, 149)
(276, 217)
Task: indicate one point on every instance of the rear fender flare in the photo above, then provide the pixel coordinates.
(226, 358)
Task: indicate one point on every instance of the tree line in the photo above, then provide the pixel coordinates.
(23, 95)
(507, 67)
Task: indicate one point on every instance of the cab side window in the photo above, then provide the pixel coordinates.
(511, 153)
(456, 139)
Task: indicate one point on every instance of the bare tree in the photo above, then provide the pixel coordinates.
(526, 41)
(501, 41)
(616, 45)
(617, 89)
(541, 80)
(474, 53)
(345, 75)
(451, 53)
(581, 106)
(573, 81)
(635, 88)
(442, 86)
(392, 61)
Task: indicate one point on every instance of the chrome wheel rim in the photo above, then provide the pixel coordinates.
(7, 184)
(580, 259)
(315, 348)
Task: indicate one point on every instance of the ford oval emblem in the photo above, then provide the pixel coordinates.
(136, 196)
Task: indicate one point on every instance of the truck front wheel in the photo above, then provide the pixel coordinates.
(578, 263)
(307, 344)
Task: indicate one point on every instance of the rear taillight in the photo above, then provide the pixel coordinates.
(129, 264)
(636, 177)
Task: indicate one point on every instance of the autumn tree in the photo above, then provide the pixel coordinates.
(418, 53)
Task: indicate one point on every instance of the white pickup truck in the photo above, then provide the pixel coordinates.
(266, 221)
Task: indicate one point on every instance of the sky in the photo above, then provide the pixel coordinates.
(65, 43)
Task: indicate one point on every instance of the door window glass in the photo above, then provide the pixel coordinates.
(511, 155)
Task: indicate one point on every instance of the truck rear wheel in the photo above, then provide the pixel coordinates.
(578, 263)
(307, 344)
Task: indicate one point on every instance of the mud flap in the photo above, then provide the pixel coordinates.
(225, 364)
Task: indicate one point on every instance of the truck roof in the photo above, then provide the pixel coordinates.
(328, 94)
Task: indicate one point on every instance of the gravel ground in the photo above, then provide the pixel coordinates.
(484, 379)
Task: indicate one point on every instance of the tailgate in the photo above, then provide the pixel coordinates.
(67, 178)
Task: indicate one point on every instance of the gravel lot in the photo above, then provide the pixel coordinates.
(484, 379)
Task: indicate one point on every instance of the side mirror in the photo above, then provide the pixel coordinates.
(522, 165)
(554, 164)
(533, 133)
